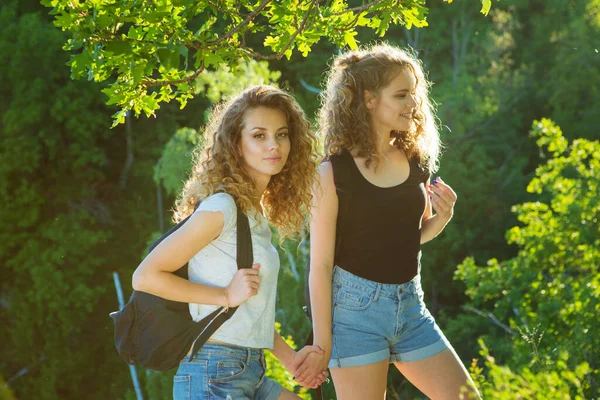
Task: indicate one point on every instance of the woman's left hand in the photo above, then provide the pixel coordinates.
(442, 198)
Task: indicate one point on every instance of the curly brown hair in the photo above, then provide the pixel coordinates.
(344, 120)
(218, 166)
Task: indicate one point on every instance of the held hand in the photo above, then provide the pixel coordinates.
(299, 359)
(245, 284)
(442, 198)
(313, 369)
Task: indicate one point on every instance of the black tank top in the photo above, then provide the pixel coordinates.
(379, 229)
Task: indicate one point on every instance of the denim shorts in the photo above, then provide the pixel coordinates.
(225, 372)
(373, 322)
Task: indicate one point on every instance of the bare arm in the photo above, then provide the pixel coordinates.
(322, 247)
(442, 198)
(155, 274)
(283, 351)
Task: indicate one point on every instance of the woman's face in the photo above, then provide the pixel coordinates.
(393, 108)
(265, 143)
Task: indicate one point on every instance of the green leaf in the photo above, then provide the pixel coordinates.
(136, 33)
(118, 118)
(349, 39)
(118, 47)
(137, 71)
(150, 104)
(114, 97)
(79, 64)
(485, 6)
(213, 60)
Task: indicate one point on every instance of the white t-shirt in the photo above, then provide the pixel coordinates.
(253, 323)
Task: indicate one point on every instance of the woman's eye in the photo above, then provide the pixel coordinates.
(283, 134)
(259, 136)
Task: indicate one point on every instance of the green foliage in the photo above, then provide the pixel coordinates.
(5, 392)
(552, 284)
(157, 385)
(54, 226)
(503, 383)
(152, 52)
(173, 166)
(225, 82)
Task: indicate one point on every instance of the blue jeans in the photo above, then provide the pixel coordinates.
(225, 372)
(373, 322)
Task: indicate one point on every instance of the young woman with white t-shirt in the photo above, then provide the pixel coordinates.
(258, 155)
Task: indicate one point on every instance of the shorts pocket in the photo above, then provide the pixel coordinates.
(182, 387)
(227, 370)
(352, 298)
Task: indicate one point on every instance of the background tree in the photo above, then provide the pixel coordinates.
(549, 293)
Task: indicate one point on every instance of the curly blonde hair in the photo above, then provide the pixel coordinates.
(344, 120)
(219, 165)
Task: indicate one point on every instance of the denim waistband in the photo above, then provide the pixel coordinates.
(344, 277)
(229, 350)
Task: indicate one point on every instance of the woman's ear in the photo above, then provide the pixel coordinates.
(369, 100)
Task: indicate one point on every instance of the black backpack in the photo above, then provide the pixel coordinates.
(157, 333)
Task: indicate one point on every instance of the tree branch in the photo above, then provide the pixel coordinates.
(248, 19)
(493, 318)
(150, 83)
(360, 9)
(300, 29)
(473, 131)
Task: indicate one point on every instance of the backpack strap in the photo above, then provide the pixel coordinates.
(183, 271)
(245, 257)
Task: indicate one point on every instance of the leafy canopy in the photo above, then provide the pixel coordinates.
(151, 51)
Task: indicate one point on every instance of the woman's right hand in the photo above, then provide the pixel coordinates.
(313, 367)
(299, 359)
(245, 284)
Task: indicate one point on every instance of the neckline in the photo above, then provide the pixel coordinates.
(371, 183)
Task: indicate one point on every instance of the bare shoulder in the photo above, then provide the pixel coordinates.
(326, 172)
(324, 189)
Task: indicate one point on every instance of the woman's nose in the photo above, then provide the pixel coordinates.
(274, 143)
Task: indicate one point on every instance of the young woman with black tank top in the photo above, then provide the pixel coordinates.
(367, 302)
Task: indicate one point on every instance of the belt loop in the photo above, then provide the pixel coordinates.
(248, 355)
(377, 291)
(261, 359)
